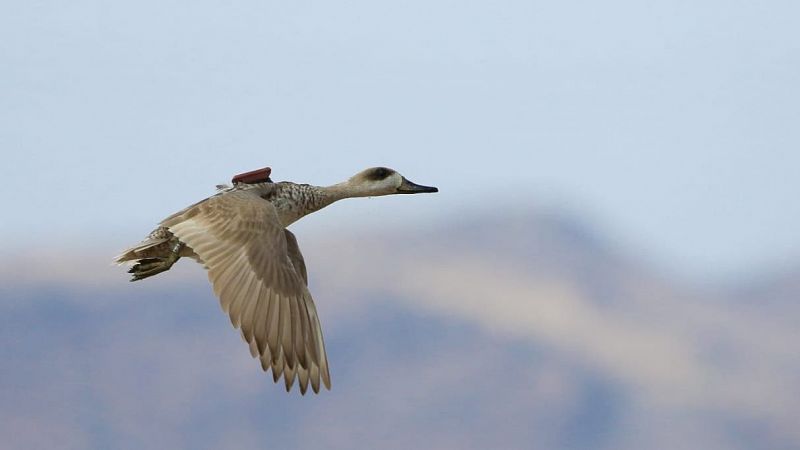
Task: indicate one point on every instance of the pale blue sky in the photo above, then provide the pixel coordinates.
(674, 124)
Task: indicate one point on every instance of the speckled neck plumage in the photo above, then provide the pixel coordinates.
(293, 201)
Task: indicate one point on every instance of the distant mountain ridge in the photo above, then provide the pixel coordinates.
(516, 333)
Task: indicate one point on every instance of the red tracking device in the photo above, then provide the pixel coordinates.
(254, 176)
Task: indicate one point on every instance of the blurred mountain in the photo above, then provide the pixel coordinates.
(529, 331)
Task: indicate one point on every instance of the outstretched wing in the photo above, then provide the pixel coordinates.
(259, 275)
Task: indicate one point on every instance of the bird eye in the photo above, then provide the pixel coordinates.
(380, 173)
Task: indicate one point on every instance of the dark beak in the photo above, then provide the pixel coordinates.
(407, 187)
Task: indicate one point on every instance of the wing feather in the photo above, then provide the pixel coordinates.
(298, 345)
(314, 375)
(289, 374)
(286, 330)
(260, 318)
(302, 377)
(273, 326)
(277, 366)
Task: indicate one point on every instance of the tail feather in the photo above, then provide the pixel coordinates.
(152, 256)
(145, 249)
(150, 266)
(157, 244)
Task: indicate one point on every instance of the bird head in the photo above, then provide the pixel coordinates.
(377, 181)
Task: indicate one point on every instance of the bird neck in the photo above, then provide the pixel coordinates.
(343, 190)
(294, 201)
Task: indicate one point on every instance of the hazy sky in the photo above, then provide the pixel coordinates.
(674, 124)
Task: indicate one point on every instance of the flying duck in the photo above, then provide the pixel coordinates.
(254, 264)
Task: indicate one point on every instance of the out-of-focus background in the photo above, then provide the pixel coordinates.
(613, 261)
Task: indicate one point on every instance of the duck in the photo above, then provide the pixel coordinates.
(254, 263)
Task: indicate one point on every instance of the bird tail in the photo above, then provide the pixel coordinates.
(156, 254)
